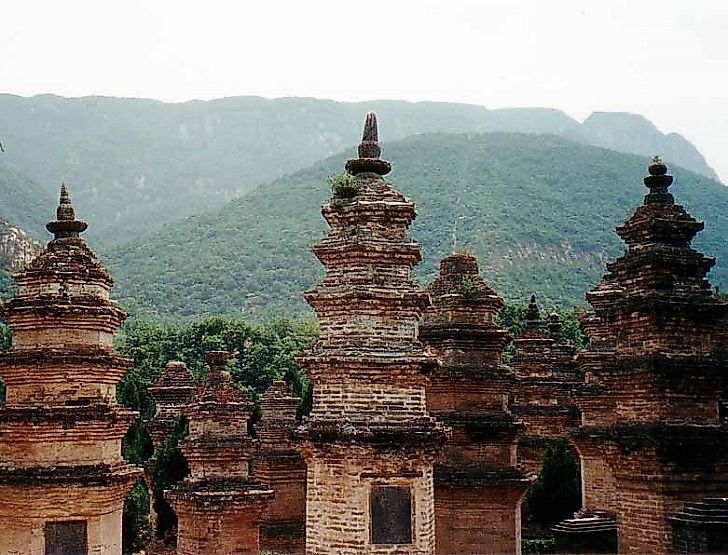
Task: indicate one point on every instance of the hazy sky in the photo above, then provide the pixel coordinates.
(667, 60)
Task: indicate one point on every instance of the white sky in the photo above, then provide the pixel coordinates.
(665, 59)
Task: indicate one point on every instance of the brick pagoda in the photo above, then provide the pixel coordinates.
(280, 465)
(369, 441)
(478, 489)
(171, 392)
(62, 478)
(546, 373)
(219, 506)
(652, 441)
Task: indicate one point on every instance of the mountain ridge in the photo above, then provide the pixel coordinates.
(135, 164)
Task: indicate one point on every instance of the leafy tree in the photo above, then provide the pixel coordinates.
(556, 494)
(136, 525)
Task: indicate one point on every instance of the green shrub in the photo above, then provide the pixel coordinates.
(469, 287)
(343, 185)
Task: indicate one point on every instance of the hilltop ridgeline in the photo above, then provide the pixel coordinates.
(138, 164)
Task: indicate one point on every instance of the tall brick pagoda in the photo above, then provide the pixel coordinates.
(171, 392)
(478, 489)
(62, 478)
(280, 465)
(219, 506)
(369, 441)
(653, 444)
(546, 373)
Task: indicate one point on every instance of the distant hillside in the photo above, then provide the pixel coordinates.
(24, 203)
(135, 164)
(537, 210)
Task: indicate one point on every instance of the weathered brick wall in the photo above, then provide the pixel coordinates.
(340, 479)
(217, 529)
(474, 520)
(60, 425)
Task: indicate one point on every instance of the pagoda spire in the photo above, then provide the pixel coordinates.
(66, 225)
(369, 152)
(658, 181)
(533, 314)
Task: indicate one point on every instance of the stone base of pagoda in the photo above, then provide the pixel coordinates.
(701, 527)
(478, 510)
(587, 532)
(81, 505)
(342, 482)
(220, 518)
(283, 529)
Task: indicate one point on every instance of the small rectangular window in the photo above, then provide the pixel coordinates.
(391, 515)
(66, 538)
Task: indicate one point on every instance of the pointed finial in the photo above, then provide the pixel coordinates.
(556, 328)
(66, 224)
(369, 146)
(658, 182)
(369, 151)
(533, 315)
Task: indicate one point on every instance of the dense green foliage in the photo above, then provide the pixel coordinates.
(556, 494)
(539, 212)
(25, 203)
(170, 467)
(135, 164)
(539, 545)
(265, 353)
(136, 526)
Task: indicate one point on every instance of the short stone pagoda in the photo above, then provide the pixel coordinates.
(653, 443)
(478, 488)
(280, 465)
(369, 441)
(63, 481)
(171, 392)
(219, 506)
(546, 373)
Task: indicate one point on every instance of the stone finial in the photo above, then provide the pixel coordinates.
(217, 360)
(556, 328)
(533, 315)
(369, 146)
(66, 225)
(369, 151)
(658, 182)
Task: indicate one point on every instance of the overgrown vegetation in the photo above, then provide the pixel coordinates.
(343, 185)
(469, 287)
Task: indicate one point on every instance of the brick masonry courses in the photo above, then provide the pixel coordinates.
(369, 431)
(651, 438)
(478, 489)
(62, 477)
(219, 506)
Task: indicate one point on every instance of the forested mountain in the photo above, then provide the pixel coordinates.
(538, 211)
(25, 203)
(133, 164)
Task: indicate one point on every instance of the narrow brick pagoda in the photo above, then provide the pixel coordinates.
(280, 465)
(478, 488)
(62, 477)
(369, 441)
(546, 373)
(171, 392)
(219, 506)
(653, 444)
